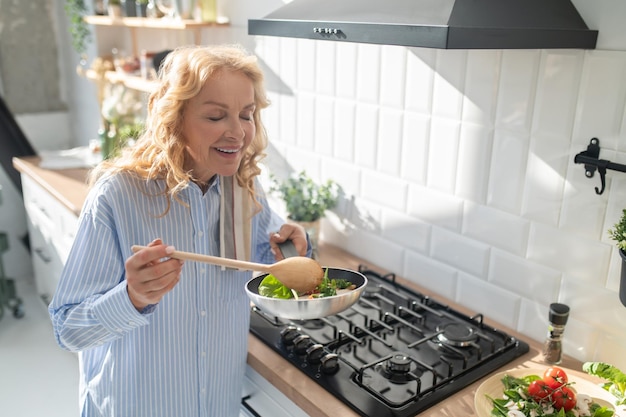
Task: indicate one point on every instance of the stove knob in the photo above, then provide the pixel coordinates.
(315, 352)
(329, 363)
(288, 334)
(302, 343)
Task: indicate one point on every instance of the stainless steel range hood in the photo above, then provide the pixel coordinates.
(444, 24)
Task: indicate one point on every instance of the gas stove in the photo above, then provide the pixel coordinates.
(394, 353)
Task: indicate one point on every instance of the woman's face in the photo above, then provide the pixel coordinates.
(218, 125)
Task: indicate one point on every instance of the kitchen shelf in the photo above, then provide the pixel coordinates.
(149, 22)
(155, 23)
(131, 81)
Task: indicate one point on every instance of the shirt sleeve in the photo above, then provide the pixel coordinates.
(91, 305)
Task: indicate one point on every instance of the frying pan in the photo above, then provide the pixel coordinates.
(305, 309)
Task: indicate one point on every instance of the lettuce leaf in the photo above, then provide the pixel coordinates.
(616, 378)
(272, 287)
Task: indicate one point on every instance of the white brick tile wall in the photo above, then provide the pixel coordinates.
(393, 76)
(386, 191)
(415, 147)
(345, 127)
(532, 281)
(496, 228)
(496, 303)
(508, 169)
(420, 74)
(443, 153)
(547, 165)
(306, 65)
(323, 125)
(585, 260)
(305, 122)
(463, 253)
(557, 90)
(481, 87)
(458, 172)
(286, 58)
(443, 210)
(389, 158)
(368, 73)
(346, 55)
(448, 84)
(533, 319)
(325, 66)
(366, 135)
(601, 103)
(516, 91)
(472, 176)
(405, 230)
(431, 274)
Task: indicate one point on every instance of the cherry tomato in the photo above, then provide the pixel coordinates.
(539, 390)
(564, 398)
(555, 377)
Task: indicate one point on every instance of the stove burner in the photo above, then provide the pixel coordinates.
(456, 334)
(399, 363)
(398, 368)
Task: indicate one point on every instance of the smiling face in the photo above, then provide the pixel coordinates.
(218, 125)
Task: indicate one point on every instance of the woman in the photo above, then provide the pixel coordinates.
(156, 337)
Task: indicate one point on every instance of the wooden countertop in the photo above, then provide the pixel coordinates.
(70, 188)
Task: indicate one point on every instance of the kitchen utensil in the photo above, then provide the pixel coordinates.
(299, 272)
(493, 388)
(309, 308)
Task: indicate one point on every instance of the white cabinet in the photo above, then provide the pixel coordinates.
(52, 228)
(261, 398)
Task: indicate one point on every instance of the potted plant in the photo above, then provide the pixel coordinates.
(306, 201)
(114, 8)
(618, 234)
(79, 30)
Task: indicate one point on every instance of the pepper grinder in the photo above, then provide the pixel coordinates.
(552, 348)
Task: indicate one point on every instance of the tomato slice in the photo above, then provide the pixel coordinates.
(555, 377)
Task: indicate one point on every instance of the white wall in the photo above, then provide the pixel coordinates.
(458, 166)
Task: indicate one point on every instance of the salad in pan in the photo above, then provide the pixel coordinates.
(273, 288)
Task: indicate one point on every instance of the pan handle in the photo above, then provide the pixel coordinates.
(288, 249)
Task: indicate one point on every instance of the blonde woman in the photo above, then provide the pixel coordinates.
(156, 337)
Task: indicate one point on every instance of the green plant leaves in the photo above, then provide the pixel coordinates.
(306, 200)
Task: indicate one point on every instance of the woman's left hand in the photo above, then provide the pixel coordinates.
(289, 231)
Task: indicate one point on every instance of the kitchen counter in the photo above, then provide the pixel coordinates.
(69, 187)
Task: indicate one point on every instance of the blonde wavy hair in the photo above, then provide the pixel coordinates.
(159, 153)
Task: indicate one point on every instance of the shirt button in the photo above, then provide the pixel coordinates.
(203, 354)
(200, 233)
(203, 390)
(203, 313)
(202, 270)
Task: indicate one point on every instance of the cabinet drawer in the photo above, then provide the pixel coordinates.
(52, 230)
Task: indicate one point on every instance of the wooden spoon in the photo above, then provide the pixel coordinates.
(297, 272)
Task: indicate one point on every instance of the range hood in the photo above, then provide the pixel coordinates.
(444, 24)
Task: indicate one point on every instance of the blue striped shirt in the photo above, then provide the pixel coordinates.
(186, 356)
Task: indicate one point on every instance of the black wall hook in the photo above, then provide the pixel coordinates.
(590, 158)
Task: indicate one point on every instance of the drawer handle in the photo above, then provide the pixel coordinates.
(244, 402)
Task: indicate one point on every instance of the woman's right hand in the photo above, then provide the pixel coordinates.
(149, 277)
